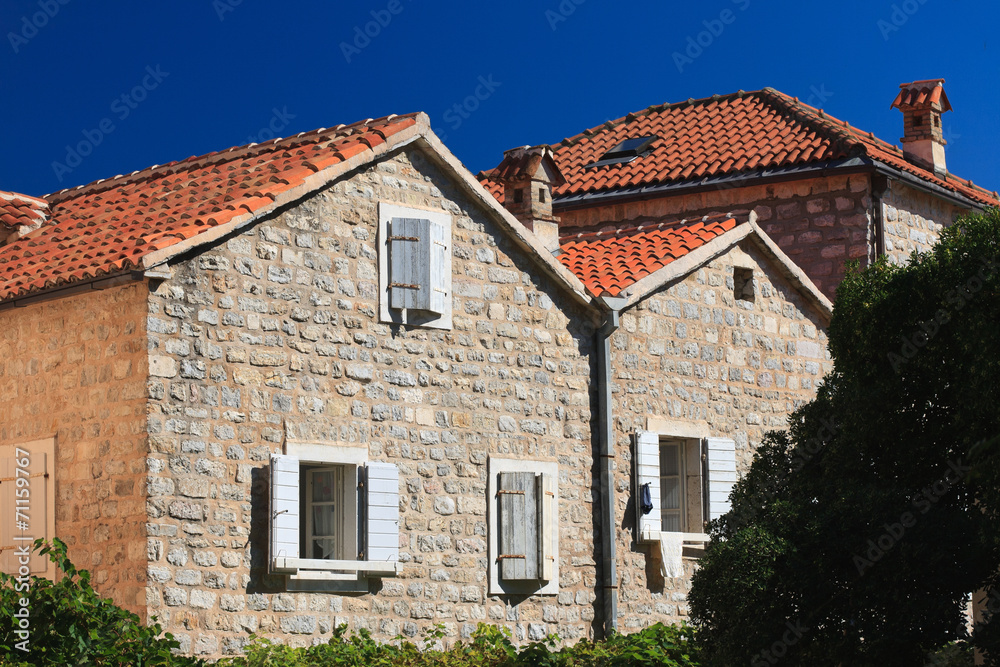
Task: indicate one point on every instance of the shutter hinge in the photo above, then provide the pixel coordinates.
(404, 285)
(513, 493)
(510, 556)
(404, 238)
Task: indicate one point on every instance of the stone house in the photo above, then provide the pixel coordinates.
(705, 363)
(334, 379)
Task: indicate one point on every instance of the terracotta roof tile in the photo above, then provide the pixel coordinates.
(609, 262)
(110, 225)
(725, 135)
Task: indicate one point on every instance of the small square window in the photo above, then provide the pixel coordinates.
(518, 196)
(743, 289)
(541, 195)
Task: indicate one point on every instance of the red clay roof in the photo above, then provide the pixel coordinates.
(17, 211)
(609, 262)
(725, 135)
(107, 227)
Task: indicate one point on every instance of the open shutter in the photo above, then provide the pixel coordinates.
(548, 526)
(284, 507)
(647, 471)
(410, 263)
(721, 474)
(382, 510)
(519, 548)
(440, 275)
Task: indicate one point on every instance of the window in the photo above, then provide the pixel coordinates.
(519, 196)
(688, 482)
(626, 151)
(334, 516)
(541, 195)
(27, 505)
(415, 266)
(523, 527)
(743, 287)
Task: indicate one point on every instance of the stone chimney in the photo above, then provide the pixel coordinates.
(922, 103)
(528, 175)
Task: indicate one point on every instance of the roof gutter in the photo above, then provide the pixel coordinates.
(101, 283)
(608, 527)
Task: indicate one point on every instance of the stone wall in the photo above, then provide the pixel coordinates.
(692, 354)
(76, 368)
(820, 223)
(913, 220)
(273, 335)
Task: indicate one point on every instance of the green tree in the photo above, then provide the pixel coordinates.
(857, 536)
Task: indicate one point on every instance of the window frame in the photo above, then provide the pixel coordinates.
(683, 509)
(497, 585)
(346, 575)
(340, 503)
(413, 317)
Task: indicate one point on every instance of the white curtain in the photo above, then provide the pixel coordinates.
(326, 485)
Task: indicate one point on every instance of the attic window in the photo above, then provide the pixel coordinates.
(626, 151)
(743, 284)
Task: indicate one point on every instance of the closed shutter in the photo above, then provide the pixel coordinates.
(721, 469)
(519, 548)
(410, 263)
(284, 507)
(382, 510)
(30, 519)
(647, 471)
(548, 526)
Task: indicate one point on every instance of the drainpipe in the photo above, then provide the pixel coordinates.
(607, 524)
(879, 186)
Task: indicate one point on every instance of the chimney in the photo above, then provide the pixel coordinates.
(528, 175)
(922, 103)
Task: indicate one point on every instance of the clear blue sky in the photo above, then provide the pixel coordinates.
(227, 69)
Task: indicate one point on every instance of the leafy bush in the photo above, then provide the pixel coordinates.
(70, 624)
(490, 646)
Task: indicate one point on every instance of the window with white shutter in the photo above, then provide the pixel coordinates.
(721, 474)
(27, 505)
(523, 526)
(670, 486)
(415, 266)
(333, 516)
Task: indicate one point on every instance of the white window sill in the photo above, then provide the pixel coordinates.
(654, 536)
(309, 569)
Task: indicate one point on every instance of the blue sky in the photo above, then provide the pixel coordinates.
(141, 83)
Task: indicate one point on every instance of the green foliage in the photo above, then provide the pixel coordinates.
(857, 536)
(70, 624)
(490, 646)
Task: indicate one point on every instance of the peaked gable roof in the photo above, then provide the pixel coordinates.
(727, 135)
(127, 225)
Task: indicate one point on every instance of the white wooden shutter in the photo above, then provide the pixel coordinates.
(721, 469)
(647, 471)
(440, 273)
(382, 509)
(410, 263)
(19, 530)
(548, 526)
(518, 524)
(284, 506)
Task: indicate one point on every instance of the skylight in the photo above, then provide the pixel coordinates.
(626, 151)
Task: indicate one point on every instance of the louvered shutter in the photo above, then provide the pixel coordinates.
(284, 507)
(410, 263)
(519, 546)
(721, 473)
(34, 512)
(440, 276)
(647, 471)
(548, 526)
(382, 511)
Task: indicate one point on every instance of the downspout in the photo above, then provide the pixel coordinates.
(607, 524)
(879, 186)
